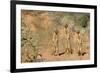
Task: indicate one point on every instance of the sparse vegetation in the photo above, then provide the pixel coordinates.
(38, 27)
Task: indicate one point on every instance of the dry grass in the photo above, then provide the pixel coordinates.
(37, 34)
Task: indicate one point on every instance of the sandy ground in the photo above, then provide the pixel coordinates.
(47, 56)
